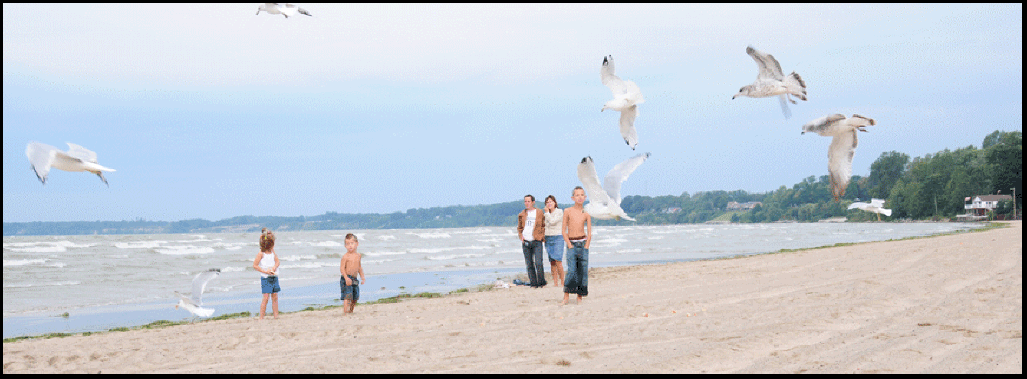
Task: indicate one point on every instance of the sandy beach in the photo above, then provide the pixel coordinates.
(947, 304)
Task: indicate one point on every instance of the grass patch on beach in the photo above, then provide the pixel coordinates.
(159, 324)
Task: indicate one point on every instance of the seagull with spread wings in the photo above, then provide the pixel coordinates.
(875, 206)
(284, 10)
(604, 201)
(626, 97)
(194, 303)
(771, 81)
(843, 145)
(43, 157)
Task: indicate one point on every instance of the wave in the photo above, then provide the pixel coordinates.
(23, 262)
(185, 250)
(326, 244)
(40, 249)
(453, 256)
(46, 284)
(139, 245)
(387, 237)
(432, 235)
(380, 253)
(294, 258)
(233, 269)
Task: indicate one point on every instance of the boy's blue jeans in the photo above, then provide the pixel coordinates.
(576, 281)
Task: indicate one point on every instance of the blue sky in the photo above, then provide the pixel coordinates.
(209, 111)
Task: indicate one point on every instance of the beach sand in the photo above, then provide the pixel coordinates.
(948, 304)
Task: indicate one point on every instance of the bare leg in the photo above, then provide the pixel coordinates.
(274, 304)
(566, 297)
(345, 306)
(558, 272)
(263, 306)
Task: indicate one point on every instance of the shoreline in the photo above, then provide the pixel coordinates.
(377, 296)
(950, 303)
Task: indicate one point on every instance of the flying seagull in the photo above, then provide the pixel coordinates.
(875, 206)
(43, 157)
(194, 303)
(604, 201)
(626, 97)
(771, 81)
(284, 10)
(843, 145)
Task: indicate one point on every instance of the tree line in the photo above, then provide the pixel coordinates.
(930, 187)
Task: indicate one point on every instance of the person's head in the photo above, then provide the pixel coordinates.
(529, 202)
(351, 242)
(267, 241)
(578, 195)
(551, 202)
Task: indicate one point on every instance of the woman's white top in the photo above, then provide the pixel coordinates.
(554, 222)
(267, 262)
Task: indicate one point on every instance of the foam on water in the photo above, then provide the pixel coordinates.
(185, 250)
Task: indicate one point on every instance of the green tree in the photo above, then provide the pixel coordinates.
(885, 172)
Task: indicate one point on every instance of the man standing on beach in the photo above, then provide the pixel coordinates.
(531, 230)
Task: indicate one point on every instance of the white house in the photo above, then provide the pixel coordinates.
(980, 205)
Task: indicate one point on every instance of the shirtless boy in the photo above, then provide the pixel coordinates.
(349, 267)
(575, 219)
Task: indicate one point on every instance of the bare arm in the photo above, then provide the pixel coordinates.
(342, 270)
(588, 221)
(275, 269)
(360, 268)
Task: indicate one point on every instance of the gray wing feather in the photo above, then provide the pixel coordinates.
(619, 174)
(200, 283)
(590, 182)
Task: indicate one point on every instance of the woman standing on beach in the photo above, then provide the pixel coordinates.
(554, 239)
(266, 263)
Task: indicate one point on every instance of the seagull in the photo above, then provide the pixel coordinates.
(626, 97)
(286, 10)
(843, 145)
(194, 303)
(771, 81)
(875, 206)
(604, 201)
(42, 157)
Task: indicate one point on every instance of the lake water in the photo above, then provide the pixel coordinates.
(107, 281)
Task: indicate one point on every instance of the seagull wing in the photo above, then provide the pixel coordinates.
(821, 125)
(610, 80)
(877, 203)
(619, 174)
(768, 66)
(185, 299)
(839, 160)
(590, 182)
(200, 283)
(41, 157)
(79, 152)
(627, 126)
(858, 205)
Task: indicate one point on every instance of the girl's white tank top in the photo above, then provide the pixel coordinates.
(267, 262)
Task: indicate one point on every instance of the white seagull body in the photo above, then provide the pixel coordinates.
(771, 81)
(284, 10)
(194, 303)
(604, 201)
(875, 206)
(43, 157)
(843, 145)
(626, 97)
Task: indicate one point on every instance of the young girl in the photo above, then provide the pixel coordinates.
(267, 264)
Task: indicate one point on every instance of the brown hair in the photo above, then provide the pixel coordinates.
(554, 200)
(351, 236)
(267, 241)
(577, 188)
(532, 197)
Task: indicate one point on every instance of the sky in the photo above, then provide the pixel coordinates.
(211, 111)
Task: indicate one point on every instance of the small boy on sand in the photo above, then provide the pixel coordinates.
(575, 220)
(349, 267)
